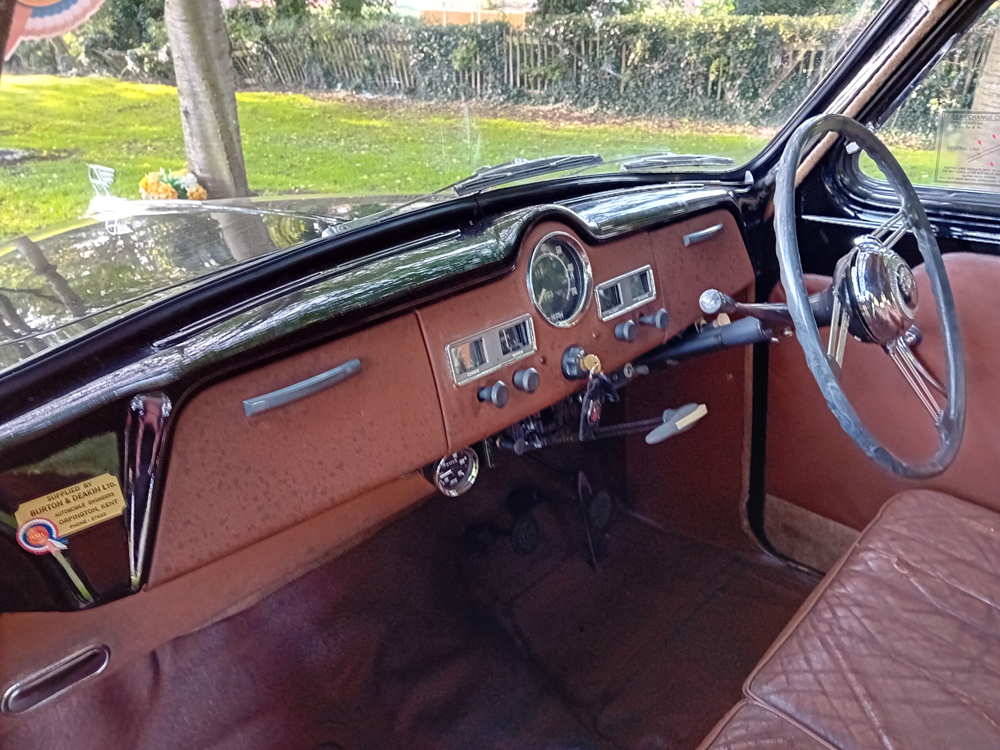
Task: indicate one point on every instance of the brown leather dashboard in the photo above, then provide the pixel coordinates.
(234, 480)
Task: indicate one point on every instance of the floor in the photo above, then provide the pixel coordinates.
(415, 640)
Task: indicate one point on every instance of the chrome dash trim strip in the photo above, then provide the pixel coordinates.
(145, 430)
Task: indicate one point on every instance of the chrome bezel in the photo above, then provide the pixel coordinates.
(588, 279)
(470, 479)
(53, 669)
(648, 270)
(486, 368)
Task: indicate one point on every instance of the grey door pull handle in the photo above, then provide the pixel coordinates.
(300, 390)
(701, 235)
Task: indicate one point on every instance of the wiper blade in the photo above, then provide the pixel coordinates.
(522, 169)
(670, 160)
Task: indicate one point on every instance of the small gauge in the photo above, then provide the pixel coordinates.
(455, 474)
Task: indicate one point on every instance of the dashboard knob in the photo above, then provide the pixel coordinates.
(659, 320)
(626, 331)
(496, 394)
(527, 380)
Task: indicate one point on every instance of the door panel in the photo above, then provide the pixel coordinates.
(136, 625)
(812, 463)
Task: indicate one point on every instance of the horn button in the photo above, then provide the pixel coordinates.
(882, 290)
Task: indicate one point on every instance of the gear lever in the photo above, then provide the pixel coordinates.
(714, 302)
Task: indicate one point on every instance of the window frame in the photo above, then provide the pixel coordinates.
(861, 193)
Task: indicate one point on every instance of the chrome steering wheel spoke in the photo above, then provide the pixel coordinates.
(840, 323)
(919, 378)
(893, 229)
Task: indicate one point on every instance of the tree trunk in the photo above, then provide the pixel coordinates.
(206, 86)
(6, 19)
(41, 266)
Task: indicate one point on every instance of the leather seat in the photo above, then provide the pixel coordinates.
(899, 646)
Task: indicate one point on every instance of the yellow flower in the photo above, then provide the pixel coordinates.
(150, 179)
(197, 193)
(159, 191)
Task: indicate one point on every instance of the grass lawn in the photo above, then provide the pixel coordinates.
(291, 143)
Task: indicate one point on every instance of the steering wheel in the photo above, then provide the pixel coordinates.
(874, 297)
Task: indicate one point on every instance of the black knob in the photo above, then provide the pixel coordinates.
(527, 380)
(496, 394)
(659, 320)
(626, 331)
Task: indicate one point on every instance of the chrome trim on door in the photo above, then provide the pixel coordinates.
(55, 680)
(145, 428)
(301, 390)
(701, 235)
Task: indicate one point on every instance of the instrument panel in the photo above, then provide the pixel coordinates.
(560, 279)
(484, 352)
(625, 293)
(497, 350)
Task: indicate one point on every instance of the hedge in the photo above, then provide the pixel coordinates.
(715, 67)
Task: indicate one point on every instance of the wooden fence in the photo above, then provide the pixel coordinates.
(528, 62)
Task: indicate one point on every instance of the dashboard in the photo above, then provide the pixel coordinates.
(429, 382)
(615, 301)
(264, 437)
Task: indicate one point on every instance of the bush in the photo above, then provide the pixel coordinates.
(711, 66)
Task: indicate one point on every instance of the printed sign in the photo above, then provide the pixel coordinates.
(969, 149)
(44, 523)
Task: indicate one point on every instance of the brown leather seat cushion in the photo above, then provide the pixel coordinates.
(899, 647)
(751, 725)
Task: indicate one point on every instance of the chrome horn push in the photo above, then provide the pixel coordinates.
(877, 290)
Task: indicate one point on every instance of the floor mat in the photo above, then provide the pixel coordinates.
(654, 648)
(410, 641)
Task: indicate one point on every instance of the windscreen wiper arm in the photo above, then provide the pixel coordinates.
(670, 160)
(521, 169)
(484, 178)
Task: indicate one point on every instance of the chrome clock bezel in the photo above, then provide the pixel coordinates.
(588, 279)
(470, 479)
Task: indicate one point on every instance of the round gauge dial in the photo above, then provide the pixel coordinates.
(559, 279)
(455, 474)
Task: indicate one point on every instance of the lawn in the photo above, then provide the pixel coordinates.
(292, 143)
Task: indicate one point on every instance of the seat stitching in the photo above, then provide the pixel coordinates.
(961, 697)
(930, 600)
(810, 602)
(795, 723)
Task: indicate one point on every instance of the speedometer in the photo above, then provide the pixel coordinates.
(559, 279)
